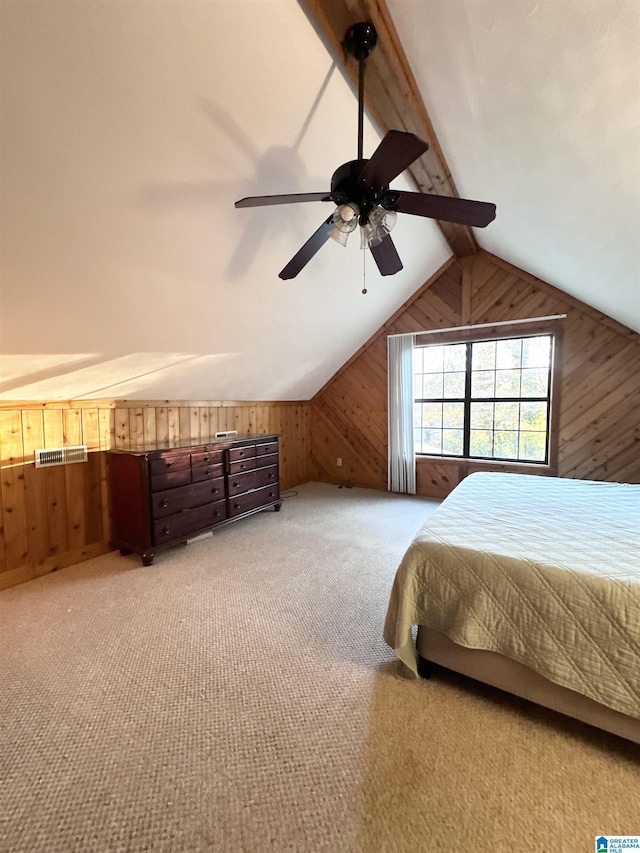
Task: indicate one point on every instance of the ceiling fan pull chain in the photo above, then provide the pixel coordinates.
(364, 272)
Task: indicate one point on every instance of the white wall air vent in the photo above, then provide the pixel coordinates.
(61, 456)
(226, 433)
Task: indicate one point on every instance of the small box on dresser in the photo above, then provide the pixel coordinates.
(165, 496)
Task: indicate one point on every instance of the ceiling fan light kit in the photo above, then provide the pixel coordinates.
(360, 188)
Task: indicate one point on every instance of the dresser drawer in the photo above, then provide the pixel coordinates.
(171, 501)
(242, 465)
(181, 477)
(267, 448)
(266, 476)
(252, 500)
(206, 457)
(170, 471)
(186, 523)
(170, 462)
(238, 483)
(206, 472)
(265, 461)
(237, 453)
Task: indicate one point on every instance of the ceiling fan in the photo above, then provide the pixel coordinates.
(360, 188)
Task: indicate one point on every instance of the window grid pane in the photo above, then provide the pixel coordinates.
(506, 413)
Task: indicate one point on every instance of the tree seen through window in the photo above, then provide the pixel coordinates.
(484, 399)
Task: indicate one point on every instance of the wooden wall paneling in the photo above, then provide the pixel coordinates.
(621, 467)
(335, 435)
(173, 422)
(588, 456)
(608, 365)
(122, 429)
(262, 419)
(596, 401)
(53, 517)
(74, 481)
(436, 479)
(107, 442)
(231, 417)
(213, 421)
(13, 490)
(290, 442)
(466, 286)
(93, 499)
(35, 485)
(135, 427)
(597, 404)
(184, 420)
(195, 434)
(578, 449)
(247, 420)
(441, 313)
(203, 425)
(162, 426)
(6, 578)
(91, 471)
(149, 428)
(57, 519)
(294, 428)
(582, 349)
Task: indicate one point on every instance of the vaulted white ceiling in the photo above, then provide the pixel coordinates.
(129, 129)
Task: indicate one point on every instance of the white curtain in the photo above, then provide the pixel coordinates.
(402, 460)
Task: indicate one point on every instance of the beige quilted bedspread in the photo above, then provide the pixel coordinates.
(541, 569)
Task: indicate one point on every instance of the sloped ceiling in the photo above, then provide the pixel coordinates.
(537, 107)
(129, 129)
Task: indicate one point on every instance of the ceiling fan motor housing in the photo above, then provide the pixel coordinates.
(348, 187)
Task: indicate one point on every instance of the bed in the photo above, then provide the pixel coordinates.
(531, 584)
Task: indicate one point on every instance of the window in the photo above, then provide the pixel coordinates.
(484, 399)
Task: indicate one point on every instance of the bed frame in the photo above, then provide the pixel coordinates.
(513, 677)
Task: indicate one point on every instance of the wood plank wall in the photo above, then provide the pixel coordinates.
(54, 517)
(599, 424)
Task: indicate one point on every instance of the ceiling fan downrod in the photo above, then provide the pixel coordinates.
(359, 41)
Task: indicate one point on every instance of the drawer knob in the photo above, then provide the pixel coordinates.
(271, 494)
(236, 485)
(236, 506)
(166, 530)
(207, 472)
(271, 475)
(164, 503)
(242, 467)
(207, 459)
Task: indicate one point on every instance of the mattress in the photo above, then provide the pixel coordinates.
(542, 570)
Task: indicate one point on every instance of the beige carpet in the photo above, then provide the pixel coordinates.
(238, 696)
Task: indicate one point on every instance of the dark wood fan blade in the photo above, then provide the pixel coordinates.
(461, 210)
(395, 153)
(304, 255)
(292, 198)
(386, 257)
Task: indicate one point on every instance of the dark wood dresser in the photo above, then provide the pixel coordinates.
(163, 497)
